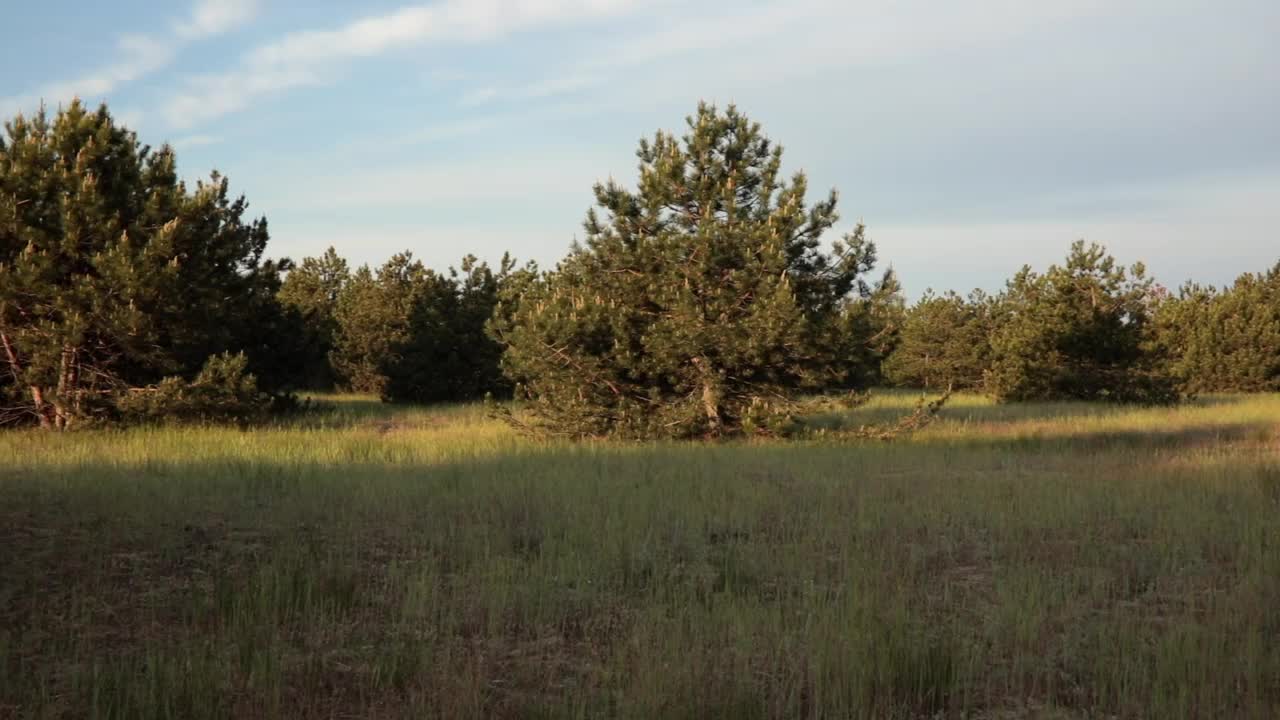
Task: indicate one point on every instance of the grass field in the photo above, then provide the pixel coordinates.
(1060, 561)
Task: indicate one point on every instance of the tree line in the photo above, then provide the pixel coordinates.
(401, 331)
(706, 301)
(1089, 329)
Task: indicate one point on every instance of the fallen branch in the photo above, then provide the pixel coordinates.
(921, 417)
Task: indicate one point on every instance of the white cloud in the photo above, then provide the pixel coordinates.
(820, 35)
(139, 56)
(215, 95)
(714, 30)
(967, 132)
(214, 17)
(301, 57)
(802, 37)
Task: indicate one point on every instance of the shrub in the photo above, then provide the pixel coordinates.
(224, 391)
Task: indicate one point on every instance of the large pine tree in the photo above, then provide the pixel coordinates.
(698, 302)
(1081, 330)
(112, 272)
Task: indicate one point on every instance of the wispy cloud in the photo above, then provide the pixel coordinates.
(194, 141)
(302, 58)
(214, 17)
(139, 55)
(551, 87)
(211, 96)
(803, 36)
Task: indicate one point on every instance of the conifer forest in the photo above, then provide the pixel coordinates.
(714, 462)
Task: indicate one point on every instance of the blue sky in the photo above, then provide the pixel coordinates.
(970, 137)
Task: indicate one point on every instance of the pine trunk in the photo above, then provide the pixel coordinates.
(711, 404)
(10, 355)
(37, 401)
(66, 402)
(37, 394)
(61, 417)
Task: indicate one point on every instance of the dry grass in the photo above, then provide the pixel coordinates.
(1062, 561)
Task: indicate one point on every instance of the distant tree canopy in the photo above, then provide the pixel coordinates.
(310, 292)
(945, 342)
(1080, 331)
(1225, 340)
(409, 334)
(372, 316)
(873, 322)
(446, 354)
(697, 300)
(1091, 330)
(113, 273)
(702, 303)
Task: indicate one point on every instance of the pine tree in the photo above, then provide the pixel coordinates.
(873, 323)
(372, 320)
(700, 304)
(945, 342)
(311, 293)
(1081, 331)
(446, 355)
(1225, 340)
(112, 273)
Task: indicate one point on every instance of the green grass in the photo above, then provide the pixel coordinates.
(1062, 561)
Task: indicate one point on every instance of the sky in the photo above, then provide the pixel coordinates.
(970, 137)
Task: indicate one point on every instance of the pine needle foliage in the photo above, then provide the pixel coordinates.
(700, 300)
(1080, 331)
(113, 272)
(1225, 340)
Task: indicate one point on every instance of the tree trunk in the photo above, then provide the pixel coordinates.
(711, 404)
(37, 400)
(15, 369)
(11, 356)
(77, 392)
(61, 417)
(710, 394)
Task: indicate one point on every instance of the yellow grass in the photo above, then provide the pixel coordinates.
(1048, 560)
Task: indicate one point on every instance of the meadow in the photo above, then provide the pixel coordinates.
(1019, 561)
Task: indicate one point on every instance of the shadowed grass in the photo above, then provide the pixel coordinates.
(1061, 560)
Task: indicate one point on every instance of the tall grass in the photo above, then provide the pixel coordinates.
(1060, 560)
